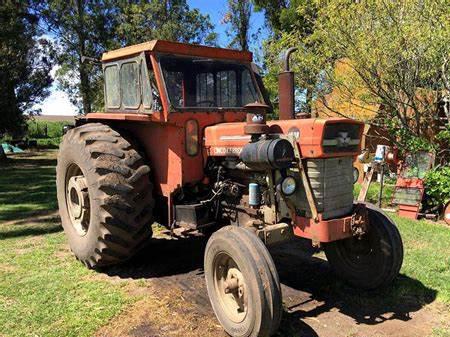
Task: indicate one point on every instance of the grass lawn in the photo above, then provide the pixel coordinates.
(44, 291)
(27, 185)
(427, 255)
(373, 193)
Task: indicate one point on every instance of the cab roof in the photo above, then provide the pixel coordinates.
(177, 48)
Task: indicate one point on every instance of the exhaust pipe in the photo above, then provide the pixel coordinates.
(286, 88)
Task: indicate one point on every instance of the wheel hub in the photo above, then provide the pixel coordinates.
(78, 203)
(231, 288)
(234, 284)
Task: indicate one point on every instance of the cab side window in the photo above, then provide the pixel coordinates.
(129, 83)
(112, 92)
(128, 86)
(147, 96)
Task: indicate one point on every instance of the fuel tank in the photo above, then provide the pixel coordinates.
(318, 138)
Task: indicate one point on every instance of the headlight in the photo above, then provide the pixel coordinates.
(191, 135)
(288, 186)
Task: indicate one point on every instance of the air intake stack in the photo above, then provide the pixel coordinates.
(286, 88)
(256, 120)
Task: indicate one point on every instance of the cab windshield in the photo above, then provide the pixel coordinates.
(194, 82)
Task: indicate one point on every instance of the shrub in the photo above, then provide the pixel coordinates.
(437, 185)
(42, 129)
(373, 192)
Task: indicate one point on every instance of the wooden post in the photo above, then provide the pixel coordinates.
(366, 184)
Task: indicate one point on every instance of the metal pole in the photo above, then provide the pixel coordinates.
(380, 196)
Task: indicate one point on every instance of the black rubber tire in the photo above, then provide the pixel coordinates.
(264, 292)
(120, 195)
(379, 258)
(275, 296)
(447, 213)
(356, 175)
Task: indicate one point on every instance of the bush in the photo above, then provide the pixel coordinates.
(41, 129)
(437, 185)
(49, 143)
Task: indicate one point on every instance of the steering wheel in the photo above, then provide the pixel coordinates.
(211, 103)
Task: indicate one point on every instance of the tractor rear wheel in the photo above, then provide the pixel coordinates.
(372, 260)
(242, 283)
(104, 195)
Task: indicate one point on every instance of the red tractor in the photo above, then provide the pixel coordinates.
(184, 141)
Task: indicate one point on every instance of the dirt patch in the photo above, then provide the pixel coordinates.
(63, 252)
(7, 268)
(6, 301)
(168, 277)
(27, 245)
(161, 313)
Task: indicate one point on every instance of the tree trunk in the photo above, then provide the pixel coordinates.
(309, 101)
(85, 87)
(2, 154)
(244, 24)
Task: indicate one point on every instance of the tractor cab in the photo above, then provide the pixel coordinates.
(160, 77)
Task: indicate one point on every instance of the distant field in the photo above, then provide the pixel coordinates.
(51, 118)
(47, 133)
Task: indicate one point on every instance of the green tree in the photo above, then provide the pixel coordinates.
(272, 11)
(292, 23)
(174, 20)
(287, 15)
(238, 19)
(396, 52)
(25, 64)
(81, 28)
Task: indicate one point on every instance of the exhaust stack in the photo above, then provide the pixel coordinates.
(286, 88)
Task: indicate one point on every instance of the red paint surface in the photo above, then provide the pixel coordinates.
(323, 230)
(408, 211)
(310, 141)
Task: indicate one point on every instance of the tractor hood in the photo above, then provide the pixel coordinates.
(318, 138)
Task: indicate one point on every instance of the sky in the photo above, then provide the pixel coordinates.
(58, 102)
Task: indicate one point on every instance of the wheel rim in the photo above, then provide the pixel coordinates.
(230, 287)
(358, 252)
(77, 200)
(447, 214)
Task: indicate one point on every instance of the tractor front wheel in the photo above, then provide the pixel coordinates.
(447, 213)
(242, 283)
(372, 260)
(104, 195)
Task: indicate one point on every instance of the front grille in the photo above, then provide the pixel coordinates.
(332, 184)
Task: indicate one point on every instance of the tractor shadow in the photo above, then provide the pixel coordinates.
(163, 258)
(310, 288)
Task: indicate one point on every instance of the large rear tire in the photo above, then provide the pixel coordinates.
(373, 260)
(104, 195)
(242, 283)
